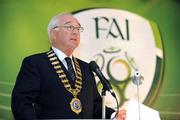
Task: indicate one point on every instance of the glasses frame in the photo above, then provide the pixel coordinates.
(70, 27)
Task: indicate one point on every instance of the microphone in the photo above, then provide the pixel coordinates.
(137, 78)
(106, 85)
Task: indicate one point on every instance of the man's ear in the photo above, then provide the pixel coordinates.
(53, 35)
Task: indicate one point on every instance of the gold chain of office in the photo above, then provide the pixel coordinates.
(75, 102)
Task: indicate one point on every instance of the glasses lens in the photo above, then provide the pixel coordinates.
(71, 28)
(81, 29)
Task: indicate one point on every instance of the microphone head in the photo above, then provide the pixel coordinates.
(137, 78)
(93, 65)
(106, 85)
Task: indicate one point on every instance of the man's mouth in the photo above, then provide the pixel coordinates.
(74, 39)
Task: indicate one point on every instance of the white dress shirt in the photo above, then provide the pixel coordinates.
(61, 56)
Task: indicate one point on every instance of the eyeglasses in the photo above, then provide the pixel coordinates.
(71, 28)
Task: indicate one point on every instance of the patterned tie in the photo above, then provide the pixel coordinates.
(70, 68)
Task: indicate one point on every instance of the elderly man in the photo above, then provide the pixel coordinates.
(55, 84)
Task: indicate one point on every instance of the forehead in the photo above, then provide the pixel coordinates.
(68, 19)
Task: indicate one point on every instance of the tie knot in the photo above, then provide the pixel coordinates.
(68, 60)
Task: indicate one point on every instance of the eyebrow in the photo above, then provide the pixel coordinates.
(70, 22)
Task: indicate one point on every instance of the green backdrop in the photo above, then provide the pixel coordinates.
(23, 32)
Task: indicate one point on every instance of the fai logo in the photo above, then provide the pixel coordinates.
(122, 42)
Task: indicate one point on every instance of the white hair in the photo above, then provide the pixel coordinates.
(54, 22)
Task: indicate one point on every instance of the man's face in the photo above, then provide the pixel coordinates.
(65, 37)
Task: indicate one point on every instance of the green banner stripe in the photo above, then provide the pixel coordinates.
(157, 35)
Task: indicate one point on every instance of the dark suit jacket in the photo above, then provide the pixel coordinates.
(39, 94)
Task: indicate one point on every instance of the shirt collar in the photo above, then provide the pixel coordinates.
(60, 54)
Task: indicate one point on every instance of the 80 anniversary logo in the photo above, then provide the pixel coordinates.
(122, 42)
